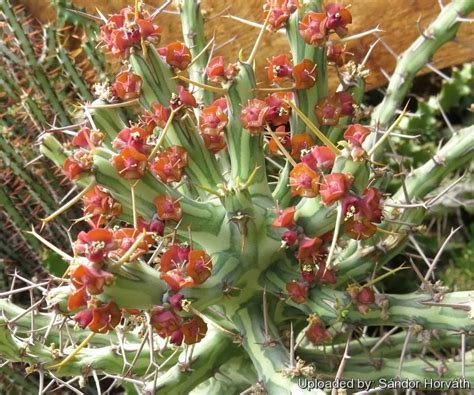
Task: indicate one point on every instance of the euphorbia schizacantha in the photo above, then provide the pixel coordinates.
(189, 230)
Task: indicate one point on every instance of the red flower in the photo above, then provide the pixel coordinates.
(172, 267)
(285, 219)
(298, 292)
(127, 85)
(334, 186)
(168, 208)
(304, 74)
(370, 205)
(125, 238)
(105, 318)
(84, 318)
(326, 276)
(336, 54)
(362, 296)
(156, 225)
(278, 112)
(214, 143)
(194, 330)
(72, 168)
(304, 181)
(279, 69)
(300, 142)
(215, 69)
(199, 266)
(328, 110)
(212, 120)
(356, 134)
(283, 137)
(164, 321)
(132, 137)
(338, 18)
(359, 229)
(253, 115)
(95, 244)
(98, 203)
(346, 102)
(320, 157)
(130, 163)
(123, 31)
(280, 12)
(313, 28)
(289, 237)
(169, 164)
(87, 138)
(308, 249)
(91, 278)
(158, 115)
(316, 332)
(177, 55)
(183, 98)
(77, 299)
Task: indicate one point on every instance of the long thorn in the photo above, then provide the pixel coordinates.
(84, 343)
(259, 38)
(314, 129)
(69, 204)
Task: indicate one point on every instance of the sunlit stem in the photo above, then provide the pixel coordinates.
(281, 147)
(385, 275)
(314, 129)
(51, 246)
(69, 204)
(84, 343)
(162, 136)
(259, 38)
(389, 130)
(210, 88)
(211, 191)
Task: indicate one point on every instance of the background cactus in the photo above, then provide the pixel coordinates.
(233, 231)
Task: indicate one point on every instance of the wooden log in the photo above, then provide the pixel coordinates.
(401, 22)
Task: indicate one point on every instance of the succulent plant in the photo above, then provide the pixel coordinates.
(236, 232)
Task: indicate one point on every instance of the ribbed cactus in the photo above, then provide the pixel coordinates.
(240, 233)
(31, 189)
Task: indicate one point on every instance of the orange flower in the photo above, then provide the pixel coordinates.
(168, 208)
(304, 74)
(304, 181)
(130, 163)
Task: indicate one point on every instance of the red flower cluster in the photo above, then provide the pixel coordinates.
(87, 138)
(182, 98)
(317, 332)
(217, 71)
(170, 163)
(361, 214)
(356, 135)
(168, 208)
(334, 187)
(280, 11)
(123, 31)
(168, 323)
(182, 267)
(315, 27)
(100, 319)
(363, 297)
(281, 69)
(176, 54)
(273, 111)
(100, 206)
(157, 116)
(212, 121)
(127, 86)
(329, 109)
